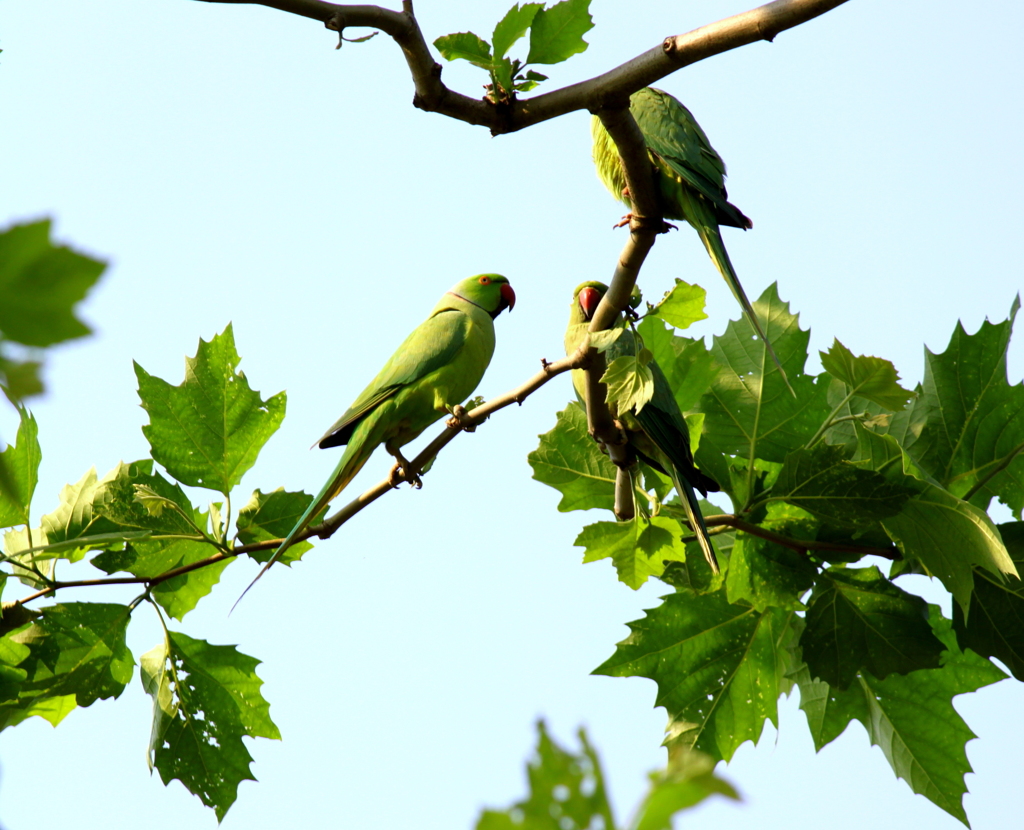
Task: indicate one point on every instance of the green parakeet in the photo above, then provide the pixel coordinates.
(657, 433)
(690, 180)
(437, 367)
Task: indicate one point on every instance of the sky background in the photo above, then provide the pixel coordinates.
(233, 166)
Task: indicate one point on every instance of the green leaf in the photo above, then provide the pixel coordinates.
(911, 717)
(858, 620)
(21, 461)
(601, 340)
(557, 32)
(682, 306)
(465, 46)
(271, 516)
(871, 378)
(76, 650)
(822, 482)
(687, 364)
(205, 699)
(637, 548)
(19, 379)
(126, 495)
(512, 27)
(752, 414)
(32, 566)
(766, 574)
(502, 76)
(687, 781)
(179, 594)
(208, 431)
(948, 536)
(630, 381)
(719, 668)
(566, 790)
(994, 628)
(966, 430)
(568, 460)
(40, 284)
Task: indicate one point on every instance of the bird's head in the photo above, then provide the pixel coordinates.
(587, 297)
(491, 292)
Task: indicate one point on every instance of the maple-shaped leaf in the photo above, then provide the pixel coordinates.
(208, 430)
(966, 429)
(995, 625)
(719, 668)
(76, 654)
(823, 482)
(568, 460)
(638, 548)
(682, 306)
(948, 536)
(557, 32)
(769, 575)
(750, 412)
(910, 716)
(871, 378)
(40, 284)
(566, 790)
(272, 515)
(859, 620)
(205, 699)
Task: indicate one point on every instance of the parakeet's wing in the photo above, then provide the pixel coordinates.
(681, 149)
(431, 345)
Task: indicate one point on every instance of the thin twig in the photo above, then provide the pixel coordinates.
(473, 418)
(799, 545)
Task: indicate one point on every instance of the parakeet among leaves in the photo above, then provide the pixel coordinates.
(690, 181)
(436, 368)
(656, 430)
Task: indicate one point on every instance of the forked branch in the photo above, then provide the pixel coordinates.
(598, 93)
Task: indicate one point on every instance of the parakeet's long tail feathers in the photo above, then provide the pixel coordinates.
(696, 519)
(712, 238)
(349, 465)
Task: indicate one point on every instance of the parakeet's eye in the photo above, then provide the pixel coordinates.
(485, 280)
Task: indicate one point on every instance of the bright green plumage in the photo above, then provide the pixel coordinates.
(690, 179)
(437, 367)
(657, 433)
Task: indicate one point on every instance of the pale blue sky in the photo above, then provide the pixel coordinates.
(234, 167)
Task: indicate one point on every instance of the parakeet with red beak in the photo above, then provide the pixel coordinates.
(436, 368)
(690, 180)
(657, 433)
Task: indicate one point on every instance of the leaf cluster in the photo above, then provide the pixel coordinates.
(556, 34)
(205, 433)
(852, 472)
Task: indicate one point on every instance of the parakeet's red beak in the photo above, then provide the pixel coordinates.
(589, 299)
(508, 296)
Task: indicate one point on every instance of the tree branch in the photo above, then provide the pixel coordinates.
(600, 92)
(470, 421)
(799, 545)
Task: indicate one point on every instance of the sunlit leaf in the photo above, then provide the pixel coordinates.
(208, 430)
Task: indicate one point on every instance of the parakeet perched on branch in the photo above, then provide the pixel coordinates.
(436, 368)
(690, 181)
(657, 433)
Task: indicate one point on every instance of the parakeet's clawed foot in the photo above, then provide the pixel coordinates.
(460, 419)
(400, 473)
(639, 222)
(408, 473)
